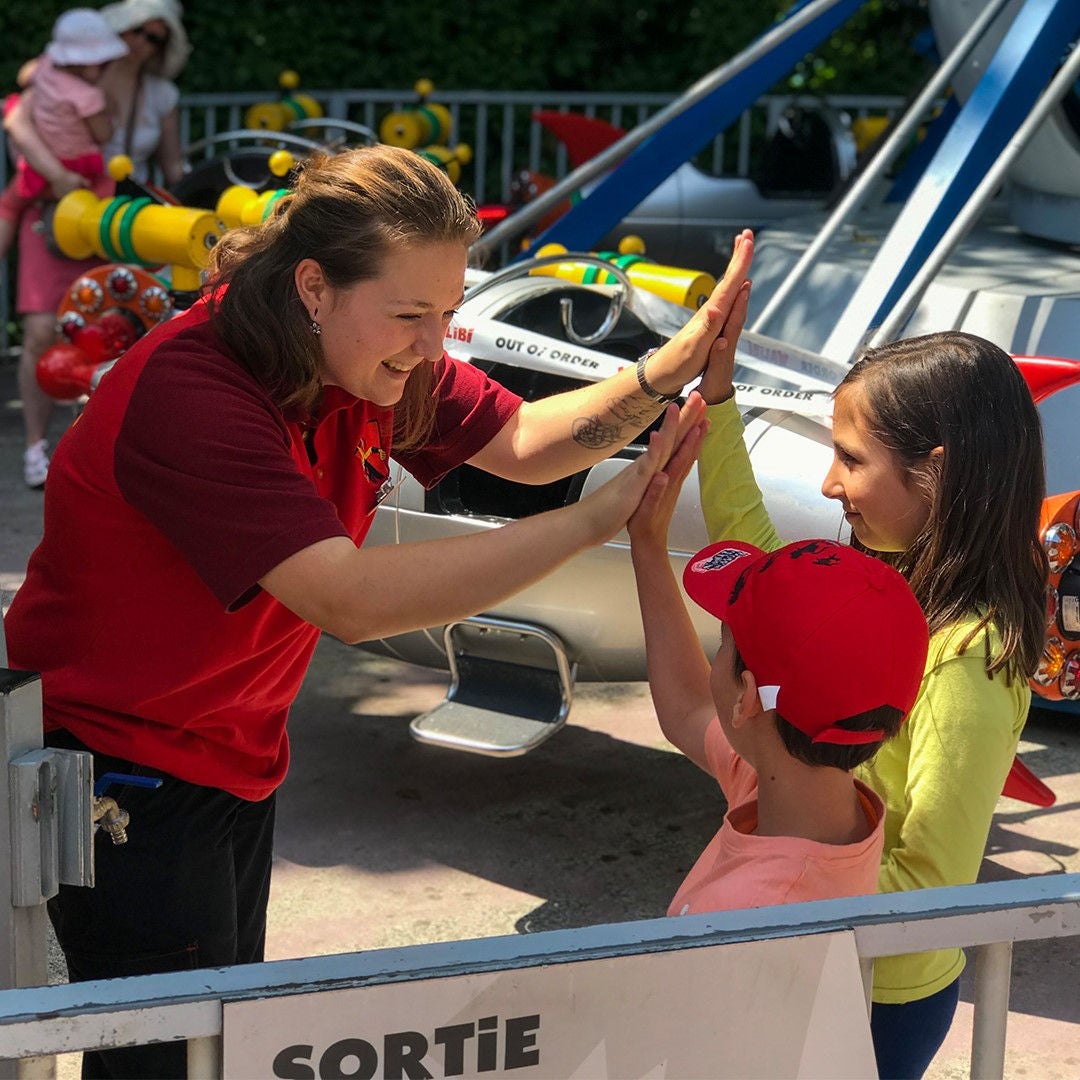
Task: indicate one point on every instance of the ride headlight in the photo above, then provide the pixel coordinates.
(1051, 663)
(1070, 677)
(1060, 543)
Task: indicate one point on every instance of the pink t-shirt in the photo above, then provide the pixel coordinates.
(739, 869)
(61, 104)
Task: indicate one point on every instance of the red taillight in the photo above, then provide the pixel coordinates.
(491, 214)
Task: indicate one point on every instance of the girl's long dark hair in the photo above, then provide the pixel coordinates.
(980, 548)
(346, 212)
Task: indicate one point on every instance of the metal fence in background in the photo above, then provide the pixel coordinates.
(501, 130)
(498, 127)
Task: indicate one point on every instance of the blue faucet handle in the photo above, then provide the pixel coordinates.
(103, 782)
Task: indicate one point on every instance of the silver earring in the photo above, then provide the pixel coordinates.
(316, 329)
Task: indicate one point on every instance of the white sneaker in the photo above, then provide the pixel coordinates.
(36, 465)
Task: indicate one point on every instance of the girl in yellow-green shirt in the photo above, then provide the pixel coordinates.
(938, 464)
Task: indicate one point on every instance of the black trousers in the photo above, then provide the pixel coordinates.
(189, 889)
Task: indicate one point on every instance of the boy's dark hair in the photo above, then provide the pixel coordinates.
(800, 746)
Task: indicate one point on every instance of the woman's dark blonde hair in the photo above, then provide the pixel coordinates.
(980, 548)
(346, 212)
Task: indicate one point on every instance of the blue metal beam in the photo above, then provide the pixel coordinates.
(924, 152)
(1024, 63)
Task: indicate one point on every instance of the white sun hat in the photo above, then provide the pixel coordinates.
(131, 14)
(82, 36)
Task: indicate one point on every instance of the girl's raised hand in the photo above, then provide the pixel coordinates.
(716, 383)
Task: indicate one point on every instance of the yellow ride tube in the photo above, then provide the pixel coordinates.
(690, 288)
(138, 231)
(424, 124)
(240, 205)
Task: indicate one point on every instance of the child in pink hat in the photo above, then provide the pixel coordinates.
(68, 110)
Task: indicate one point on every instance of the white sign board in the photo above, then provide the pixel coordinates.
(788, 1007)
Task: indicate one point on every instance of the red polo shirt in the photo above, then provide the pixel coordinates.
(175, 491)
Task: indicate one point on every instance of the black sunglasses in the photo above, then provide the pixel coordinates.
(157, 40)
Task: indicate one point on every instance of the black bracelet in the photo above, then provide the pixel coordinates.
(646, 387)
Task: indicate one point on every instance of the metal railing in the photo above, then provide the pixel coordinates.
(500, 130)
(988, 918)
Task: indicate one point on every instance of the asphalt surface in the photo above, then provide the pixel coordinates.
(382, 841)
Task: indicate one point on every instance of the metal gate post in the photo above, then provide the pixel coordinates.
(993, 974)
(22, 929)
(22, 939)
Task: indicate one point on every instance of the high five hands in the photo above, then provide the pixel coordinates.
(706, 344)
(610, 505)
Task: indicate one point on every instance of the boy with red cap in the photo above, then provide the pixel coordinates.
(821, 652)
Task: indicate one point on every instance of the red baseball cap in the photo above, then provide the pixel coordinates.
(827, 631)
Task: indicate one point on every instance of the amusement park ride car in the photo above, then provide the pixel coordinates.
(549, 322)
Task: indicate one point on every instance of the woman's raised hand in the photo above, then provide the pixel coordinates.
(687, 355)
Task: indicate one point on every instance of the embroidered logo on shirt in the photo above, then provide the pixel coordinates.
(376, 464)
(374, 460)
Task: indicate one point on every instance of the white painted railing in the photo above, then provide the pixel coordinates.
(499, 126)
(189, 1005)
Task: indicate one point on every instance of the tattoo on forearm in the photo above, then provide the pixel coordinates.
(592, 432)
(588, 431)
(639, 416)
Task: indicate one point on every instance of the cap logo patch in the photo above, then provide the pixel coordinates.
(719, 559)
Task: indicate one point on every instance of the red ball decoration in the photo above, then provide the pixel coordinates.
(121, 331)
(93, 341)
(64, 371)
(71, 322)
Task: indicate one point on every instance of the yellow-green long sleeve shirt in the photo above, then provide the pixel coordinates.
(941, 776)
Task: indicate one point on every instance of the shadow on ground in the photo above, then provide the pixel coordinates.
(603, 829)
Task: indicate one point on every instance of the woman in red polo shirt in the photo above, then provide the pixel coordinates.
(204, 522)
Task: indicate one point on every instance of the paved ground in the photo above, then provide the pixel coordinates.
(384, 842)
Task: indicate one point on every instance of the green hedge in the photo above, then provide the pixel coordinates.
(616, 45)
